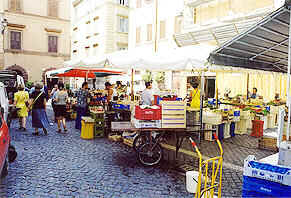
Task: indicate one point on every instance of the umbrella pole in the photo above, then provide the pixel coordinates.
(248, 84)
(288, 84)
(132, 90)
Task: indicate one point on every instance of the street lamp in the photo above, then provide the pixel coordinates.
(3, 25)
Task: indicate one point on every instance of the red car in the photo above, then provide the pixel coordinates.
(7, 152)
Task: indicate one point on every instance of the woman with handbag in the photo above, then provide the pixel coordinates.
(38, 106)
(21, 101)
(60, 106)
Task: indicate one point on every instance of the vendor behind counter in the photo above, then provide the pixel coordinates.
(147, 97)
(195, 96)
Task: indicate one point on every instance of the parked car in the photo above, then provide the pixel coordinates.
(7, 152)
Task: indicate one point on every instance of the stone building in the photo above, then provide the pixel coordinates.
(37, 36)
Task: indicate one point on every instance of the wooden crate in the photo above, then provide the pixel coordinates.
(173, 125)
(268, 143)
(115, 138)
(128, 142)
(173, 107)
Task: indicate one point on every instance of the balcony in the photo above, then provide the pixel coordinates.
(195, 3)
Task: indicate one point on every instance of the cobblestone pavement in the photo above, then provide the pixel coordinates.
(64, 165)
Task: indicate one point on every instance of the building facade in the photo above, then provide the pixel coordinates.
(216, 21)
(153, 24)
(37, 36)
(99, 27)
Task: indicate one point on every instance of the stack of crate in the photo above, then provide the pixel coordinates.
(173, 114)
(99, 126)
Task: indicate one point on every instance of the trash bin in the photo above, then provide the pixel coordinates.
(87, 129)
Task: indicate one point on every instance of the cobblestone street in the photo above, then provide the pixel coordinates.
(64, 165)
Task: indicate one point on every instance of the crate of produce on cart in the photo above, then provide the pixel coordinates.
(145, 112)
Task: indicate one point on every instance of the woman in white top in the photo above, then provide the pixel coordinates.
(60, 106)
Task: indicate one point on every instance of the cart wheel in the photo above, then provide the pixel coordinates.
(150, 154)
(139, 140)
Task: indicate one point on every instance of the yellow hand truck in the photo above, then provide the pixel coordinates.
(208, 186)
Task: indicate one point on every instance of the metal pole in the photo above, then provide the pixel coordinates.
(156, 28)
(288, 83)
(132, 90)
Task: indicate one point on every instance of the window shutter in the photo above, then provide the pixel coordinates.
(138, 35)
(18, 5)
(162, 29)
(12, 5)
(15, 40)
(53, 44)
(53, 8)
(150, 32)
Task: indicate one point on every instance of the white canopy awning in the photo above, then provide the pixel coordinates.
(184, 58)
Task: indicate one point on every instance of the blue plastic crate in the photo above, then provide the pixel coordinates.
(221, 131)
(232, 129)
(253, 194)
(236, 113)
(121, 106)
(266, 187)
(268, 108)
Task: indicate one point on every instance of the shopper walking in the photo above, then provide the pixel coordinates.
(39, 116)
(60, 107)
(82, 104)
(53, 99)
(21, 99)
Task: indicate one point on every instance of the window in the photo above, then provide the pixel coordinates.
(178, 25)
(123, 24)
(15, 40)
(53, 44)
(149, 32)
(138, 30)
(138, 3)
(53, 8)
(123, 2)
(15, 5)
(195, 15)
(163, 29)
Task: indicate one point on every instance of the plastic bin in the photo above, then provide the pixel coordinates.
(121, 106)
(269, 188)
(221, 131)
(87, 130)
(232, 129)
(148, 114)
(258, 128)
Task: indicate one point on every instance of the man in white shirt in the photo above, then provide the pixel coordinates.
(147, 97)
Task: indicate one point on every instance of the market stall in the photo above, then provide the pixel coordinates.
(265, 46)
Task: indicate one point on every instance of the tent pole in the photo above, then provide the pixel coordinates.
(132, 90)
(288, 83)
(248, 84)
(156, 27)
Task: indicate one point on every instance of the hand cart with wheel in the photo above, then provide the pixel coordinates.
(209, 168)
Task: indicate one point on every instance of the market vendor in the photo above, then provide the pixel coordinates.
(109, 91)
(120, 90)
(147, 97)
(255, 94)
(195, 96)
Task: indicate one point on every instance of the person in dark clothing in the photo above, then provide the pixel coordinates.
(82, 104)
(39, 116)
